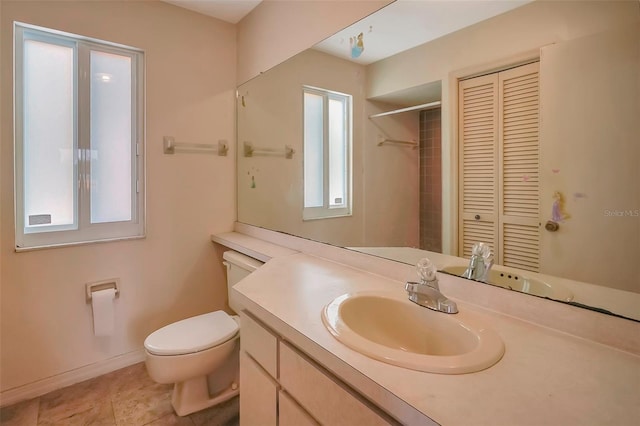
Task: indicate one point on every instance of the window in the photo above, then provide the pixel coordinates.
(78, 139)
(327, 154)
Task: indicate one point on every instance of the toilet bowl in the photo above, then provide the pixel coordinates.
(200, 355)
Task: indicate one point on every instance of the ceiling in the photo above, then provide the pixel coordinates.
(408, 23)
(227, 10)
(397, 27)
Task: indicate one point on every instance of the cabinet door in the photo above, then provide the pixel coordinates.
(291, 414)
(260, 343)
(326, 399)
(258, 394)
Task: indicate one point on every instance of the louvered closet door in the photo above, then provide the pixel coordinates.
(478, 139)
(519, 163)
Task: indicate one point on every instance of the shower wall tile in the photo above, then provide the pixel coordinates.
(430, 181)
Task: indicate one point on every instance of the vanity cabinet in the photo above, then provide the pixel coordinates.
(258, 403)
(279, 385)
(292, 414)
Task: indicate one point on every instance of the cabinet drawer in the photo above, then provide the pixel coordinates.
(260, 343)
(326, 400)
(291, 414)
(258, 394)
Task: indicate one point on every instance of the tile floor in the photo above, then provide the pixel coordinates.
(127, 397)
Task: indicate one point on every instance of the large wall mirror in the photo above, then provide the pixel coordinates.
(428, 127)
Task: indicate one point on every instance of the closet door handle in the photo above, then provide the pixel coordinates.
(477, 217)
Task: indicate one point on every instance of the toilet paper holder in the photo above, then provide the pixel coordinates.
(102, 285)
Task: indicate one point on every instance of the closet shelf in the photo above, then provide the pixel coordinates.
(407, 109)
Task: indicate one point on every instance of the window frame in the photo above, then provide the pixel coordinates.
(82, 231)
(327, 211)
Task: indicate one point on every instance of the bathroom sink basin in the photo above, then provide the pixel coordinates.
(519, 282)
(388, 327)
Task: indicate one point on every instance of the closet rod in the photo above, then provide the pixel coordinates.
(397, 142)
(412, 108)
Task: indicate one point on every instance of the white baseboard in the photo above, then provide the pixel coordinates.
(41, 387)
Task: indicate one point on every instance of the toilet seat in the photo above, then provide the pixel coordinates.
(192, 335)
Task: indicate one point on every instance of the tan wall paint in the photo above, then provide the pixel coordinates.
(272, 119)
(528, 27)
(1, 168)
(191, 76)
(276, 30)
(46, 326)
(384, 205)
(496, 42)
(590, 153)
(391, 177)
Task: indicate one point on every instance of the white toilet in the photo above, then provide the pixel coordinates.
(201, 354)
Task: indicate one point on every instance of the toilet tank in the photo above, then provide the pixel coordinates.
(238, 267)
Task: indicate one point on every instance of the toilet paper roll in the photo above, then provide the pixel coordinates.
(103, 312)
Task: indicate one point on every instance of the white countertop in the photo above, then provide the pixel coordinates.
(624, 303)
(252, 247)
(545, 377)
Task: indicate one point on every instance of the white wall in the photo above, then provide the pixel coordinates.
(278, 29)
(46, 326)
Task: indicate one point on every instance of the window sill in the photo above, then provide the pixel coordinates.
(79, 243)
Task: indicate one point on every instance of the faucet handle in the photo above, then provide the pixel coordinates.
(487, 266)
(481, 249)
(426, 270)
(447, 306)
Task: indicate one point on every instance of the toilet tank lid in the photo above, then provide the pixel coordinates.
(243, 261)
(191, 335)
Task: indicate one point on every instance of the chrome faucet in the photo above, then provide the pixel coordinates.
(480, 263)
(426, 292)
